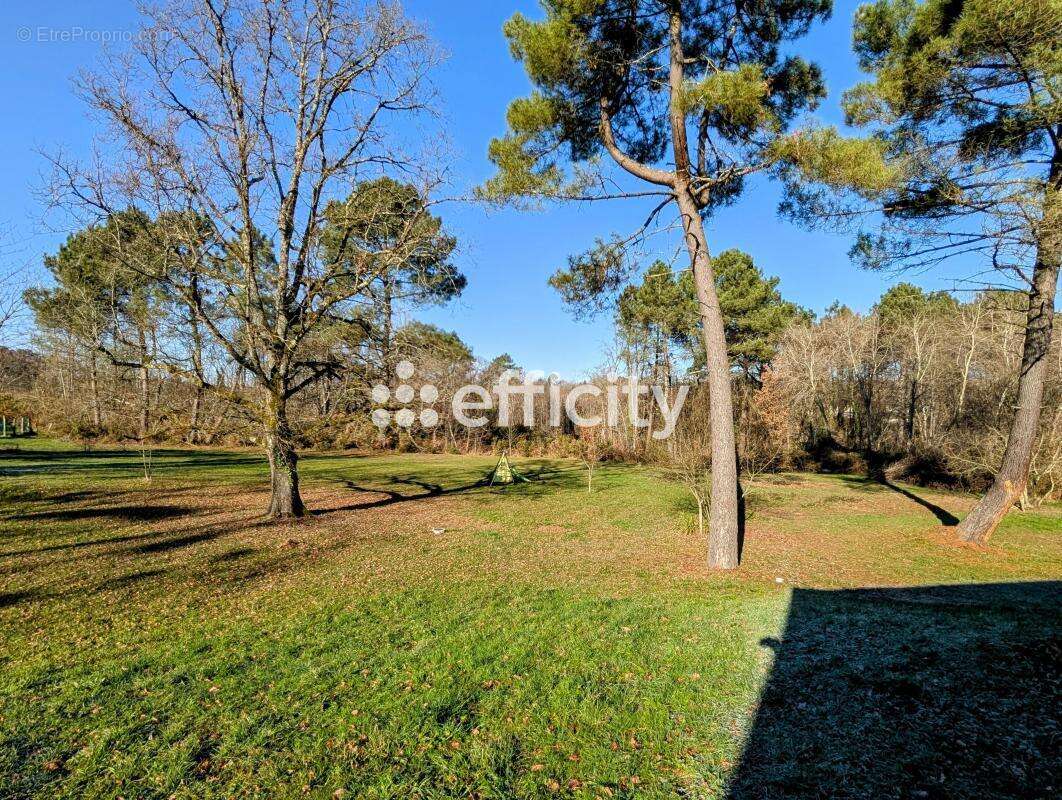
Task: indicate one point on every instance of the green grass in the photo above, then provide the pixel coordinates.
(161, 640)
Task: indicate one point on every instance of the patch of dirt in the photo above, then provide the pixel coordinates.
(945, 536)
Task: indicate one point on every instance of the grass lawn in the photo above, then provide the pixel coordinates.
(162, 640)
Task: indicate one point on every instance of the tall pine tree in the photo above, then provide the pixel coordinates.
(966, 98)
(689, 97)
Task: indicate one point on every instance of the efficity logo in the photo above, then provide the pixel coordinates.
(404, 394)
(586, 405)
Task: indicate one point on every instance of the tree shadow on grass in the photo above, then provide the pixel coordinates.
(14, 598)
(541, 477)
(944, 516)
(929, 692)
(138, 537)
(391, 497)
(234, 555)
(138, 513)
(10, 599)
(177, 542)
(128, 579)
(164, 460)
(149, 542)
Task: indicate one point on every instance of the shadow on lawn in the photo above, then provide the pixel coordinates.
(871, 483)
(165, 460)
(540, 477)
(391, 497)
(140, 513)
(942, 514)
(932, 692)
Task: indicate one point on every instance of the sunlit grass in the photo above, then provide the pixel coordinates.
(161, 640)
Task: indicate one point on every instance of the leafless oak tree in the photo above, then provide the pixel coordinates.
(234, 124)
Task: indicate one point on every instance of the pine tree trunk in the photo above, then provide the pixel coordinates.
(285, 501)
(388, 335)
(1013, 475)
(197, 365)
(723, 513)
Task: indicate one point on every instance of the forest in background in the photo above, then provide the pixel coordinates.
(921, 388)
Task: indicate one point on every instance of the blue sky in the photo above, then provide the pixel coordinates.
(506, 254)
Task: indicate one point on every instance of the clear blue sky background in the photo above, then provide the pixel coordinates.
(507, 255)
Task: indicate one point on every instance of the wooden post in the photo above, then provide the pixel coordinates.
(3, 426)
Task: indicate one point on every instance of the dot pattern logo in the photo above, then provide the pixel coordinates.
(405, 394)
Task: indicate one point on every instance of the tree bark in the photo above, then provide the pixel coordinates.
(912, 408)
(1013, 476)
(197, 365)
(388, 334)
(723, 514)
(145, 403)
(285, 501)
(145, 388)
(94, 389)
(197, 403)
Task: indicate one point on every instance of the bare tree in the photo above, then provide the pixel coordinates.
(10, 301)
(591, 445)
(12, 284)
(235, 125)
(689, 460)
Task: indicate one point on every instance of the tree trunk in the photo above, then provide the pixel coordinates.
(145, 403)
(285, 501)
(912, 409)
(723, 532)
(1013, 475)
(197, 365)
(94, 389)
(388, 334)
(723, 515)
(197, 403)
(966, 364)
(145, 388)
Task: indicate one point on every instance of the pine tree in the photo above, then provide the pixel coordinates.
(687, 96)
(965, 98)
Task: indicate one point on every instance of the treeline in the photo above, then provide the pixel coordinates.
(922, 387)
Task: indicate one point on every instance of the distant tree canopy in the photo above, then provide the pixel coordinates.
(663, 307)
(905, 302)
(754, 313)
(390, 222)
(93, 283)
(420, 341)
(19, 370)
(385, 229)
